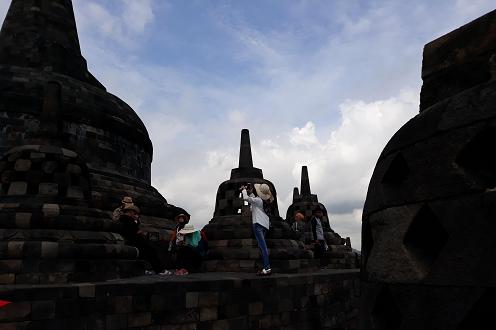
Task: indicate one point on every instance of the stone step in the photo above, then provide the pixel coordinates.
(55, 235)
(251, 242)
(242, 232)
(65, 271)
(64, 250)
(277, 266)
(254, 253)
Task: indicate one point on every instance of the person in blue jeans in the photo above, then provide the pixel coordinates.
(260, 197)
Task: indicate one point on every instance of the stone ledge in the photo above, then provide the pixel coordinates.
(327, 298)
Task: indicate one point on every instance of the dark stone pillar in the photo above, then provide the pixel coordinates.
(305, 182)
(245, 160)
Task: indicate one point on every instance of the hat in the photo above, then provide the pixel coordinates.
(188, 229)
(263, 191)
(131, 207)
(127, 200)
(184, 215)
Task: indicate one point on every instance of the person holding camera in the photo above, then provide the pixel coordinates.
(260, 198)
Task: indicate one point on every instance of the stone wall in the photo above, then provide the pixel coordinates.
(323, 300)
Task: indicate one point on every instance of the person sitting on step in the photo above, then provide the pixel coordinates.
(126, 200)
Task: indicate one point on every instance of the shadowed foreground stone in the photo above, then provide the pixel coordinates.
(232, 301)
(428, 221)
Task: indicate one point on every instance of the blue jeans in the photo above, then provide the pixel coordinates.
(260, 232)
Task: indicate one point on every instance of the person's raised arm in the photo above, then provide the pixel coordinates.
(252, 200)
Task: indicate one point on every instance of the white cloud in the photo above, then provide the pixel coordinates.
(340, 167)
(471, 9)
(137, 14)
(124, 22)
(237, 117)
(304, 136)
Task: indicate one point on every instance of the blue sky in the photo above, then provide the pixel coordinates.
(318, 83)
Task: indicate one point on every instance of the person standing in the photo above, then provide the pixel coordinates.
(318, 232)
(260, 198)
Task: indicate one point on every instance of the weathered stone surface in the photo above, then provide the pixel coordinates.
(427, 228)
(22, 165)
(458, 60)
(69, 151)
(17, 188)
(327, 296)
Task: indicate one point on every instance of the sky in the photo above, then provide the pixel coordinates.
(322, 83)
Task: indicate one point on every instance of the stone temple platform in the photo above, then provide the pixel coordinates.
(321, 300)
(69, 151)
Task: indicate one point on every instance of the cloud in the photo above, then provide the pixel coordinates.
(318, 83)
(340, 166)
(471, 9)
(121, 22)
(331, 106)
(137, 14)
(4, 6)
(304, 136)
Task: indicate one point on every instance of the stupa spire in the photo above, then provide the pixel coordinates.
(305, 182)
(296, 194)
(43, 35)
(245, 159)
(245, 168)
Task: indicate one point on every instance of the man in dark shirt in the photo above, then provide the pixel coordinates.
(318, 232)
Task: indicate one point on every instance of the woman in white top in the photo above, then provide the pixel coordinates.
(259, 200)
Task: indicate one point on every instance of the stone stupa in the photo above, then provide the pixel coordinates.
(428, 223)
(340, 254)
(232, 246)
(69, 151)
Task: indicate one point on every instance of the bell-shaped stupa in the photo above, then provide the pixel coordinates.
(428, 223)
(340, 254)
(69, 151)
(232, 245)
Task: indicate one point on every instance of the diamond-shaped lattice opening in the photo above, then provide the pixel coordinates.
(425, 237)
(481, 314)
(397, 171)
(385, 314)
(479, 158)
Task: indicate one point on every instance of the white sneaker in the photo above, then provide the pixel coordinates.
(265, 272)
